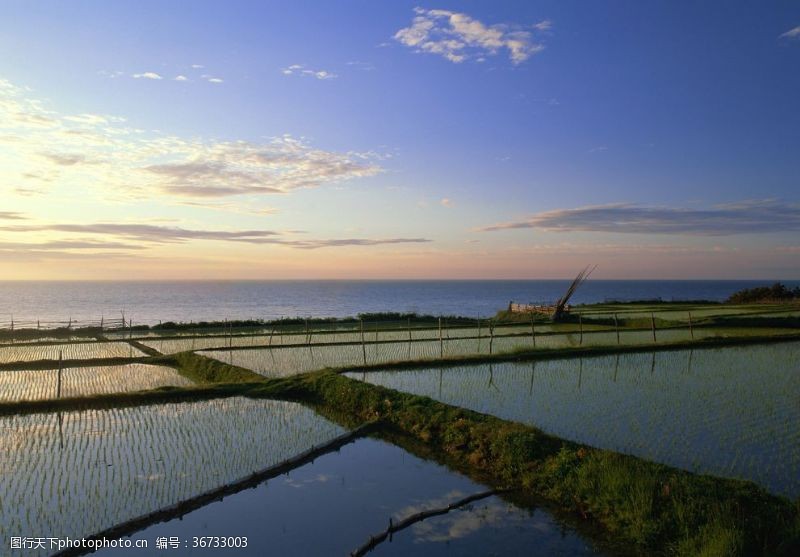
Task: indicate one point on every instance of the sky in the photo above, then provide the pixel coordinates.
(385, 140)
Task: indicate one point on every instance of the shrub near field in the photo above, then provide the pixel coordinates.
(778, 292)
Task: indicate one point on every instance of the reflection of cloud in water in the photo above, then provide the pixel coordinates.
(319, 478)
(429, 504)
(462, 522)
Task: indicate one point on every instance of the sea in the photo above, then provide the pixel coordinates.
(149, 302)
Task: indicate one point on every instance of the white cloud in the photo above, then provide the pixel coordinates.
(791, 33)
(214, 80)
(198, 66)
(458, 37)
(147, 75)
(181, 78)
(84, 152)
(446, 202)
(299, 69)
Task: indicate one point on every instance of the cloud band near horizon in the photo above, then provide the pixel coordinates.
(746, 217)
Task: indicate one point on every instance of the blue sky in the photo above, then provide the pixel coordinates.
(395, 139)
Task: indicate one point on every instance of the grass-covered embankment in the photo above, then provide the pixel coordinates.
(653, 507)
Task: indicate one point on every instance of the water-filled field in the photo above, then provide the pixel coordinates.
(77, 473)
(353, 493)
(39, 384)
(68, 351)
(730, 412)
(284, 361)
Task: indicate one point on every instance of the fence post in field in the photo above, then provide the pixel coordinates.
(533, 331)
(409, 329)
(101, 323)
(271, 332)
(491, 336)
(441, 344)
(616, 327)
(38, 326)
(69, 325)
(580, 327)
(58, 384)
(691, 331)
(363, 346)
(653, 325)
(308, 334)
(12, 323)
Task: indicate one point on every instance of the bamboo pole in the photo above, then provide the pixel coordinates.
(580, 326)
(653, 325)
(533, 331)
(60, 366)
(363, 346)
(691, 330)
(616, 327)
(491, 336)
(441, 342)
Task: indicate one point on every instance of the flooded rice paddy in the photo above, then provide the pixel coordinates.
(729, 412)
(77, 473)
(333, 505)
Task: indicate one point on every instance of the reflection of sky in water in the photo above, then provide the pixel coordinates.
(333, 505)
(730, 411)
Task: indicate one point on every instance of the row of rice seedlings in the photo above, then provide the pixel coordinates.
(728, 411)
(282, 362)
(77, 473)
(172, 346)
(79, 381)
(69, 351)
(34, 340)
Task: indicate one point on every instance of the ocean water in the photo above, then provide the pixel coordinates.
(150, 302)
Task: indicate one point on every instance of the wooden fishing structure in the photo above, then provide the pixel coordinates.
(559, 309)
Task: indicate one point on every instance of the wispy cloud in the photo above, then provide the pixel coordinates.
(756, 216)
(121, 162)
(446, 202)
(299, 69)
(10, 215)
(459, 37)
(791, 33)
(147, 75)
(181, 78)
(151, 234)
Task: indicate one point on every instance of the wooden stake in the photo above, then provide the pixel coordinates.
(363, 346)
(691, 330)
(653, 325)
(580, 326)
(533, 331)
(60, 365)
(441, 343)
(491, 336)
(616, 327)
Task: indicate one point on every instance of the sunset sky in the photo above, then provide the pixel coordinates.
(368, 139)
